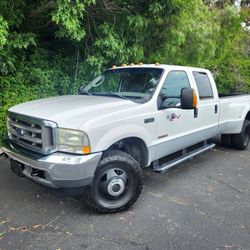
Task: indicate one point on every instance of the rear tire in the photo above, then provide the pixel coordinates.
(240, 141)
(117, 183)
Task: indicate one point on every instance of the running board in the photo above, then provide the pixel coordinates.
(185, 156)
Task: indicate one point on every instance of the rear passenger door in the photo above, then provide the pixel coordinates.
(208, 105)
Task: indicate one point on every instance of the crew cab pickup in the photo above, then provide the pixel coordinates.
(127, 119)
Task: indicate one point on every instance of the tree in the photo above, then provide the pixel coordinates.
(51, 47)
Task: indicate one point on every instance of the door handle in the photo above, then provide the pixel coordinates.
(216, 109)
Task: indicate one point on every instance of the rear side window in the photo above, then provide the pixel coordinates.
(171, 89)
(203, 84)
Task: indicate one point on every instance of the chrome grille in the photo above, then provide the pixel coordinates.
(32, 133)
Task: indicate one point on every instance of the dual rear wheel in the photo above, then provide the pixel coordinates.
(239, 141)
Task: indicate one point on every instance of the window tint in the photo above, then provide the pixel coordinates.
(171, 90)
(203, 85)
(137, 84)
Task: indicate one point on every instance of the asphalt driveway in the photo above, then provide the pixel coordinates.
(201, 204)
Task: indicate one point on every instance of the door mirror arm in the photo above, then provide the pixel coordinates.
(160, 102)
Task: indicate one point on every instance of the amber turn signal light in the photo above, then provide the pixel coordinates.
(86, 150)
(195, 101)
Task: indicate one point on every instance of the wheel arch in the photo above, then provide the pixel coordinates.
(247, 117)
(134, 146)
(138, 137)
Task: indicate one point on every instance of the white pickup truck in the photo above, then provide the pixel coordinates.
(129, 118)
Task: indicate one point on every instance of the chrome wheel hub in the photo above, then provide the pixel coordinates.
(116, 187)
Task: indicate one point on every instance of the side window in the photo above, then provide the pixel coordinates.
(171, 89)
(203, 85)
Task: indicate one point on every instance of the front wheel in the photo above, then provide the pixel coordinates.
(117, 183)
(240, 141)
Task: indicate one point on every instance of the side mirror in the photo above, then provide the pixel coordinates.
(188, 98)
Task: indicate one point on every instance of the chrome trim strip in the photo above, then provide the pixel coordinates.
(26, 137)
(22, 126)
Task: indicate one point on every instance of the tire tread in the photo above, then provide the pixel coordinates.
(238, 140)
(116, 155)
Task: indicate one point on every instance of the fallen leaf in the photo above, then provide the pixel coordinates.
(3, 222)
(122, 218)
(2, 234)
(37, 226)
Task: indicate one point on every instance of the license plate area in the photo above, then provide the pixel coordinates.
(17, 167)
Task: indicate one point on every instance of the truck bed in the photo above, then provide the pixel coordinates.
(221, 95)
(233, 108)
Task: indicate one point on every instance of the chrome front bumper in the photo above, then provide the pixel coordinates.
(57, 170)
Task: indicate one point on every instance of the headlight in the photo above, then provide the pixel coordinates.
(72, 141)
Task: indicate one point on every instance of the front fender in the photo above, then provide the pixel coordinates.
(115, 134)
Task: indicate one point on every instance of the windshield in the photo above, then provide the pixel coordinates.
(136, 84)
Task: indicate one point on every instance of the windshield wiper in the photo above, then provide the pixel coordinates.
(116, 95)
(84, 92)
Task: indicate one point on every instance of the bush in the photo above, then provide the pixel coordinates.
(53, 47)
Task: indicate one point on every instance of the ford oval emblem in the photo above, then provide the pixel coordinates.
(19, 132)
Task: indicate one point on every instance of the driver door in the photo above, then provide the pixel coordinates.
(174, 125)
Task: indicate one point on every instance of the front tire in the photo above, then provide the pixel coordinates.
(117, 183)
(240, 141)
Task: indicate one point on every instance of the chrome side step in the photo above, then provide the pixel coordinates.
(185, 156)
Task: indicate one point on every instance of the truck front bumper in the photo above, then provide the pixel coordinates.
(57, 170)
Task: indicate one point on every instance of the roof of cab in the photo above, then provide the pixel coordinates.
(158, 65)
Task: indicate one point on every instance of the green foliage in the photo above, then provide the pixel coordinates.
(21, 40)
(3, 32)
(69, 15)
(52, 47)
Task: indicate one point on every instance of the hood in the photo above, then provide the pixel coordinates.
(72, 111)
